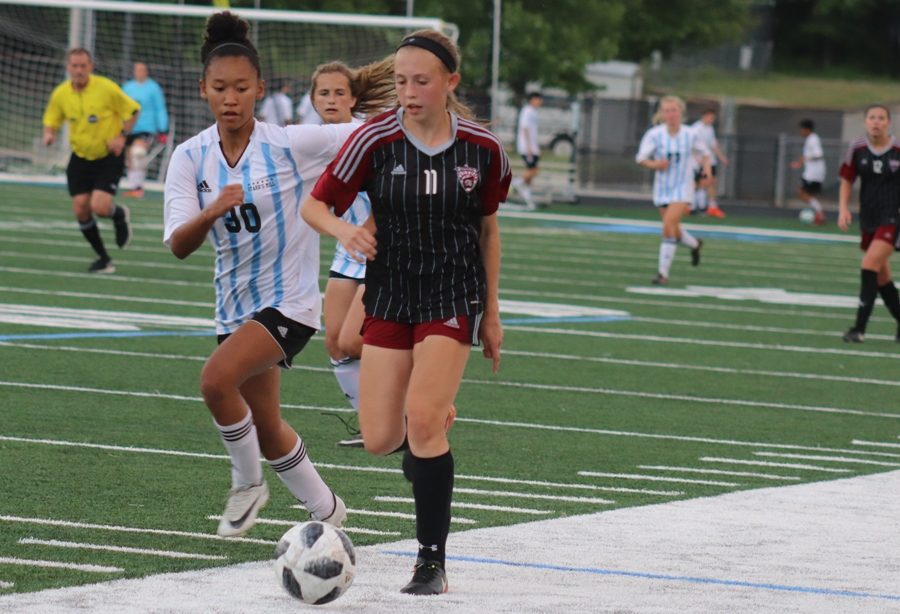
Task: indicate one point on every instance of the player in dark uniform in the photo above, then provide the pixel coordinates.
(875, 159)
(435, 180)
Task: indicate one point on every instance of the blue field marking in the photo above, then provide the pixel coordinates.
(108, 335)
(831, 592)
(565, 320)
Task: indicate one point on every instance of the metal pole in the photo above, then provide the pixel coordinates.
(410, 6)
(781, 162)
(495, 64)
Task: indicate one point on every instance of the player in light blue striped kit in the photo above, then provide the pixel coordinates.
(669, 148)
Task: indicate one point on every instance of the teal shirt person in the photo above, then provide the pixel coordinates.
(153, 118)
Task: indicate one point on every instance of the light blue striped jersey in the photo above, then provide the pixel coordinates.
(266, 255)
(676, 183)
(357, 214)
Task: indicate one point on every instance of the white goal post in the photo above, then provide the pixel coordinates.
(35, 35)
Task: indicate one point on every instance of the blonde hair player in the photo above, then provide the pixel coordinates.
(668, 149)
(431, 280)
(239, 183)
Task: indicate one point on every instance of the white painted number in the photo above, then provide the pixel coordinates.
(430, 182)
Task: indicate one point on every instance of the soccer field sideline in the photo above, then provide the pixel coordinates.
(694, 555)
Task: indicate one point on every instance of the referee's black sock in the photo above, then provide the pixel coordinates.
(117, 214)
(92, 234)
(891, 298)
(432, 485)
(867, 292)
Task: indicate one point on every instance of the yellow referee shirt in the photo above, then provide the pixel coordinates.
(95, 114)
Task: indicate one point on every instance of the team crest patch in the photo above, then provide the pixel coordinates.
(894, 164)
(468, 177)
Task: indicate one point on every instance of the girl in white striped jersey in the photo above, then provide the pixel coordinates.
(240, 183)
(668, 148)
(334, 100)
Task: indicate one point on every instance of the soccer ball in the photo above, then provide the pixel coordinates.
(807, 216)
(315, 562)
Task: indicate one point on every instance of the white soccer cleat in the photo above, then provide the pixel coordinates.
(338, 517)
(241, 510)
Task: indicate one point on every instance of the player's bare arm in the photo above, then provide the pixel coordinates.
(491, 331)
(359, 241)
(190, 236)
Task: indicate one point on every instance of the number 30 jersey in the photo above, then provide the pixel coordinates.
(266, 255)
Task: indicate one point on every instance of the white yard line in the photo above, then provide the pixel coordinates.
(529, 495)
(401, 515)
(8, 560)
(277, 522)
(739, 461)
(828, 459)
(171, 554)
(880, 444)
(748, 474)
(652, 478)
(4, 584)
(471, 506)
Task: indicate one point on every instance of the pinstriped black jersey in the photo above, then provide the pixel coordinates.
(879, 173)
(428, 204)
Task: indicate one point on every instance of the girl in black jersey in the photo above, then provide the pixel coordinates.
(874, 158)
(435, 180)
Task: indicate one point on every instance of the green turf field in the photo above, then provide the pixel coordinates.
(105, 442)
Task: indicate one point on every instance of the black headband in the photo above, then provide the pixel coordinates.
(434, 47)
(247, 49)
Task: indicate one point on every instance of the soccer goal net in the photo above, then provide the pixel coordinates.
(35, 35)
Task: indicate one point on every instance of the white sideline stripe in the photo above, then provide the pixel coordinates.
(4, 584)
(30, 541)
(727, 370)
(739, 461)
(747, 474)
(289, 523)
(77, 444)
(132, 247)
(127, 262)
(528, 495)
(114, 278)
(120, 529)
(652, 478)
(8, 560)
(471, 506)
(882, 444)
(97, 316)
(685, 397)
(828, 459)
(705, 342)
(109, 297)
(502, 423)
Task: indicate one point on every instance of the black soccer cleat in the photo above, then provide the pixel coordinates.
(102, 265)
(659, 280)
(854, 336)
(429, 578)
(897, 336)
(695, 253)
(123, 227)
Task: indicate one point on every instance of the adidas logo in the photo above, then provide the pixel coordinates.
(398, 170)
(452, 323)
(283, 331)
(203, 187)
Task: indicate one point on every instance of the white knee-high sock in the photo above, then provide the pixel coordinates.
(688, 239)
(243, 447)
(700, 200)
(666, 255)
(300, 476)
(346, 371)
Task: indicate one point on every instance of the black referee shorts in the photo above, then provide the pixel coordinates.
(85, 176)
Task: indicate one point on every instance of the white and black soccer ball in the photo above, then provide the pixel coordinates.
(315, 562)
(807, 216)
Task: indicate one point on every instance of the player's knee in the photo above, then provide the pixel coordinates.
(350, 345)
(214, 384)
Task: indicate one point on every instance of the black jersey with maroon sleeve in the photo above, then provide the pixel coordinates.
(427, 203)
(879, 173)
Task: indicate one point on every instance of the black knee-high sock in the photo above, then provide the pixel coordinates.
(868, 290)
(432, 484)
(92, 234)
(891, 298)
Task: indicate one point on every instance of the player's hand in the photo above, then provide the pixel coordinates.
(662, 165)
(797, 164)
(491, 334)
(231, 196)
(844, 219)
(49, 139)
(162, 138)
(359, 242)
(116, 145)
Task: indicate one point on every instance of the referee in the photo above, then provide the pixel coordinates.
(99, 115)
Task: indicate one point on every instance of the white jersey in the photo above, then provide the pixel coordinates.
(527, 135)
(813, 159)
(707, 134)
(357, 214)
(266, 255)
(676, 183)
